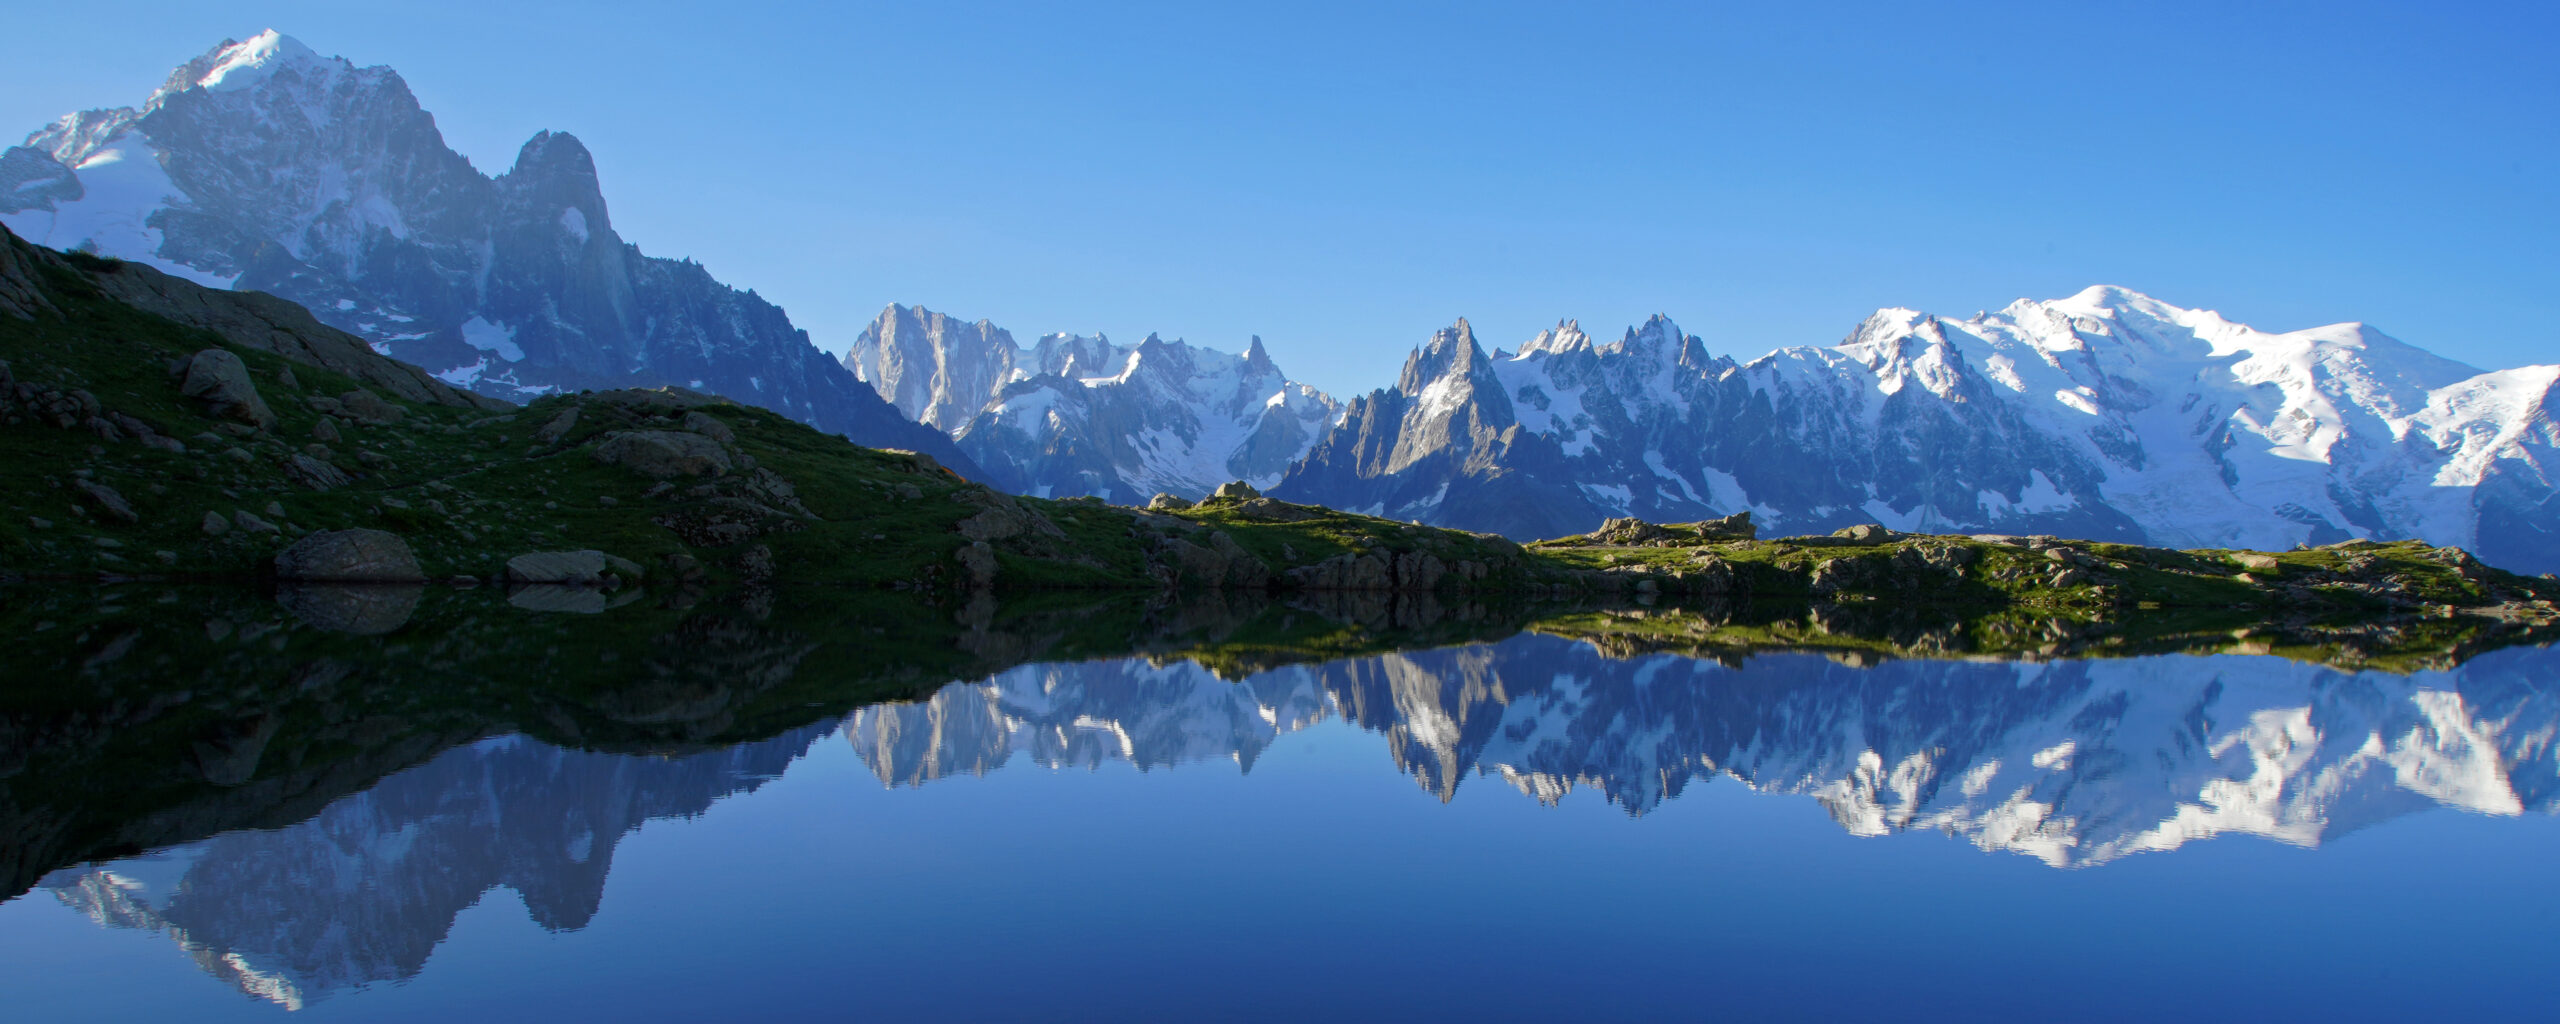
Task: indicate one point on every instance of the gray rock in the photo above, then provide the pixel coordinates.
(315, 474)
(325, 431)
(1235, 489)
(664, 453)
(349, 556)
(221, 381)
(624, 567)
(215, 525)
(576, 567)
(367, 407)
(1733, 527)
(2256, 561)
(709, 426)
(1628, 530)
(361, 610)
(1168, 503)
(559, 427)
(1003, 518)
(251, 524)
(558, 597)
(978, 563)
(109, 503)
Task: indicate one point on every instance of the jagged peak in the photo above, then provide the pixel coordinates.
(1565, 336)
(1452, 350)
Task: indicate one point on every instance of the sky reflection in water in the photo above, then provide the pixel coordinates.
(1516, 830)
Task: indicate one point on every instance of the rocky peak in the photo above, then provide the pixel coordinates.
(1565, 336)
(936, 369)
(1257, 361)
(1074, 355)
(1452, 352)
(554, 178)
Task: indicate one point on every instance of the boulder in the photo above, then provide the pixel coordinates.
(360, 610)
(325, 431)
(2257, 562)
(661, 454)
(557, 597)
(249, 523)
(220, 380)
(578, 567)
(1867, 533)
(977, 563)
(1236, 489)
(709, 426)
(367, 407)
(349, 556)
(1168, 503)
(315, 474)
(109, 503)
(559, 427)
(215, 525)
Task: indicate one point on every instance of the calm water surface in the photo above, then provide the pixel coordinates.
(1514, 829)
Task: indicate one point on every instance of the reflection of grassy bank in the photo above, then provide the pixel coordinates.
(1862, 633)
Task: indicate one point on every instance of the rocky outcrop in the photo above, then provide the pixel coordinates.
(662, 454)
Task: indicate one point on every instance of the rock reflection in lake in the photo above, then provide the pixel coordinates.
(303, 791)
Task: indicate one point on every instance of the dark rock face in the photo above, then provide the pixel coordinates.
(349, 556)
(1443, 445)
(326, 184)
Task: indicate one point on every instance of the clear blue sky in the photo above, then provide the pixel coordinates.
(1343, 180)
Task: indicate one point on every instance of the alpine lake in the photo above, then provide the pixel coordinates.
(437, 804)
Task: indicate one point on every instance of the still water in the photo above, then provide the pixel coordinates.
(1520, 827)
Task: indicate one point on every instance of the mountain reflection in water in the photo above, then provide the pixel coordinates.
(289, 852)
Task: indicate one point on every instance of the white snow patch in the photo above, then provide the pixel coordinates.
(480, 333)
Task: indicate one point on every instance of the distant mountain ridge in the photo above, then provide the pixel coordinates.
(264, 166)
(2107, 415)
(1077, 415)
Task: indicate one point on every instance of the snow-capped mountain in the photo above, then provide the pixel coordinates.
(2107, 415)
(264, 166)
(2074, 763)
(366, 889)
(1084, 416)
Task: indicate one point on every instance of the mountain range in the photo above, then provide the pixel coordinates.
(1080, 415)
(263, 166)
(2105, 415)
